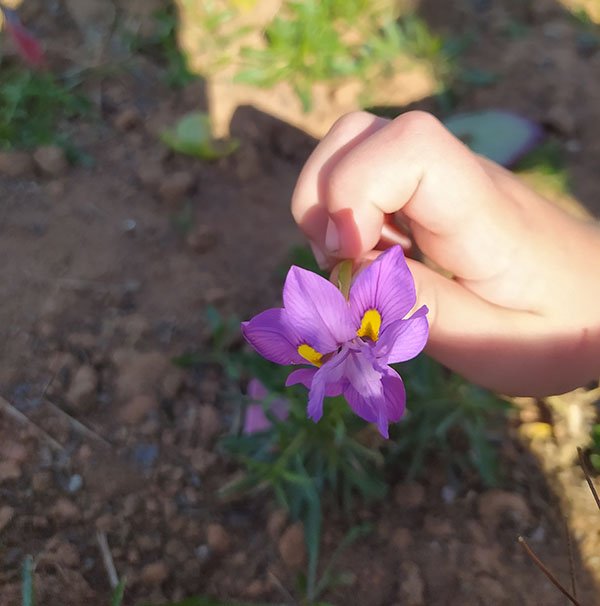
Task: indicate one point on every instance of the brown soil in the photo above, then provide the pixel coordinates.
(106, 274)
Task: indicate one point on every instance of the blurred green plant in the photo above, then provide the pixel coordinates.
(308, 466)
(33, 104)
(192, 136)
(594, 450)
(449, 418)
(118, 593)
(324, 40)
(27, 591)
(162, 46)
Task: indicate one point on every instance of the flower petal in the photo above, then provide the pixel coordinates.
(256, 390)
(317, 310)
(301, 376)
(403, 339)
(328, 378)
(256, 419)
(272, 337)
(395, 395)
(305, 376)
(383, 408)
(387, 286)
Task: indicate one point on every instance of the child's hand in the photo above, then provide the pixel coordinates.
(521, 314)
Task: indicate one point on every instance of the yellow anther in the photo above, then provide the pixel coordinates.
(370, 325)
(310, 354)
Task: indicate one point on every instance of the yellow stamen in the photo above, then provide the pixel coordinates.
(310, 354)
(370, 325)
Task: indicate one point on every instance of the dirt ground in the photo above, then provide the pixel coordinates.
(106, 273)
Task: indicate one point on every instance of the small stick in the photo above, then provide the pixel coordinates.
(78, 426)
(588, 477)
(16, 414)
(571, 563)
(107, 558)
(545, 570)
(281, 587)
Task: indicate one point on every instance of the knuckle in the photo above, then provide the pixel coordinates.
(351, 123)
(419, 122)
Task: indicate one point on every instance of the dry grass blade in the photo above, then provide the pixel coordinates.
(107, 559)
(547, 572)
(588, 477)
(16, 414)
(78, 426)
(571, 563)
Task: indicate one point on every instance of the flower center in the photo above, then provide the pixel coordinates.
(310, 354)
(370, 325)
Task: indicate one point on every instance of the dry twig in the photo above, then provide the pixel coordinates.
(547, 572)
(17, 415)
(588, 477)
(107, 559)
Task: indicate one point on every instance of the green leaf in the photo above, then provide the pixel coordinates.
(500, 135)
(118, 593)
(595, 461)
(27, 582)
(192, 136)
(327, 578)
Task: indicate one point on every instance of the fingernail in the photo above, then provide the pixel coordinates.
(332, 237)
(319, 255)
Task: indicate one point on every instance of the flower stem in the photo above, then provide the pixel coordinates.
(344, 277)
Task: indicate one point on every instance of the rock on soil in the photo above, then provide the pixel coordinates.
(51, 160)
(139, 373)
(498, 505)
(127, 119)
(202, 238)
(175, 187)
(292, 547)
(276, 523)
(409, 496)
(209, 424)
(218, 539)
(82, 390)
(155, 573)
(412, 586)
(65, 510)
(6, 515)
(15, 164)
(9, 470)
(138, 408)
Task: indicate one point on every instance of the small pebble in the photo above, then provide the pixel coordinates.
(51, 160)
(75, 483)
(217, 538)
(175, 187)
(65, 511)
(209, 423)
(409, 496)
(155, 573)
(127, 119)
(15, 164)
(9, 470)
(82, 391)
(6, 515)
(292, 547)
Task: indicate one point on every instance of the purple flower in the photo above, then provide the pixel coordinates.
(256, 420)
(348, 343)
